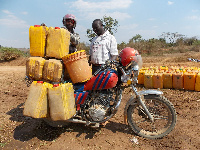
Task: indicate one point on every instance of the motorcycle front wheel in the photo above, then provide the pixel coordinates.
(164, 117)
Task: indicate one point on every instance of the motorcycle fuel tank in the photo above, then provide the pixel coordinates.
(104, 80)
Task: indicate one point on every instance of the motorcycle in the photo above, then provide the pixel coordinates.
(147, 112)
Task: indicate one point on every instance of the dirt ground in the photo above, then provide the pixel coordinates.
(20, 132)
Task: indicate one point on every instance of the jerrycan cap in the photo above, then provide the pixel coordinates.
(39, 81)
(55, 85)
(36, 25)
(57, 27)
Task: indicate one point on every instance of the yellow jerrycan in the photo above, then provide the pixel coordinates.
(58, 41)
(197, 83)
(189, 80)
(37, 40)
(61, 101)
(158, 80)
(167, 80)
(141, 77)
(34, 67)
(177, 80)
(36, 103)
(52, 71)
(148, 80)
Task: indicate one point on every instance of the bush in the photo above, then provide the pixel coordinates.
(7, 53)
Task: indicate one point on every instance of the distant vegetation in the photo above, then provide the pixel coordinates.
(9, 53)
(167, 43)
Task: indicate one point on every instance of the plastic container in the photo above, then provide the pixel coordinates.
(77, 66)
(36, 103)
(61, 101)
(182, 70)
(141, 77)
(148, 80)
(189, 81)
(37, 39)
(58, 41)
(173, 68)
(159, 71)
(53, 70)
(167, 80)
(34, 67)
(165, 68)
(177, 80)
(158, 80)
(197, 83)
(153, 68)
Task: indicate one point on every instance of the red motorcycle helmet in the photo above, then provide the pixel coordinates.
(127, 55)
(69, 16)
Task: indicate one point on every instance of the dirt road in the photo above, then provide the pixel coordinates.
(20, 132)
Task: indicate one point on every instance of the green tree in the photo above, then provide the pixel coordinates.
(110, 24)
(136, 42)
(136, 38)
(171, 37)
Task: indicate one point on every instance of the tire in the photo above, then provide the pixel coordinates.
(164, 117)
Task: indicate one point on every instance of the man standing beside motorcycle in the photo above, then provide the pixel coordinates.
(103, 47)
(69, 21)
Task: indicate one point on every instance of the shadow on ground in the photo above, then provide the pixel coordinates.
(30, 127)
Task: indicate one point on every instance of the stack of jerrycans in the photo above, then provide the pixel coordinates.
(45, 67)
(37, 39)
(38, 66)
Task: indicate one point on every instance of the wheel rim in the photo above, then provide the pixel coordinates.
(162, 118)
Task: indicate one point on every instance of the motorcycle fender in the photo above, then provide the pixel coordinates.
(133, 100)
(149, 92)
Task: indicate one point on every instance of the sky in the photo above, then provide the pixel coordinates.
(149, 18)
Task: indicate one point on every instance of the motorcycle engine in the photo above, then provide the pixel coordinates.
(99, 105)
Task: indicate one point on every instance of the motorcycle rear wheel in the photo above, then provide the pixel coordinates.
(164, 117)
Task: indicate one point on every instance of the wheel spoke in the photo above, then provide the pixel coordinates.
(153, 127)
(141, 121)
(161, 117)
